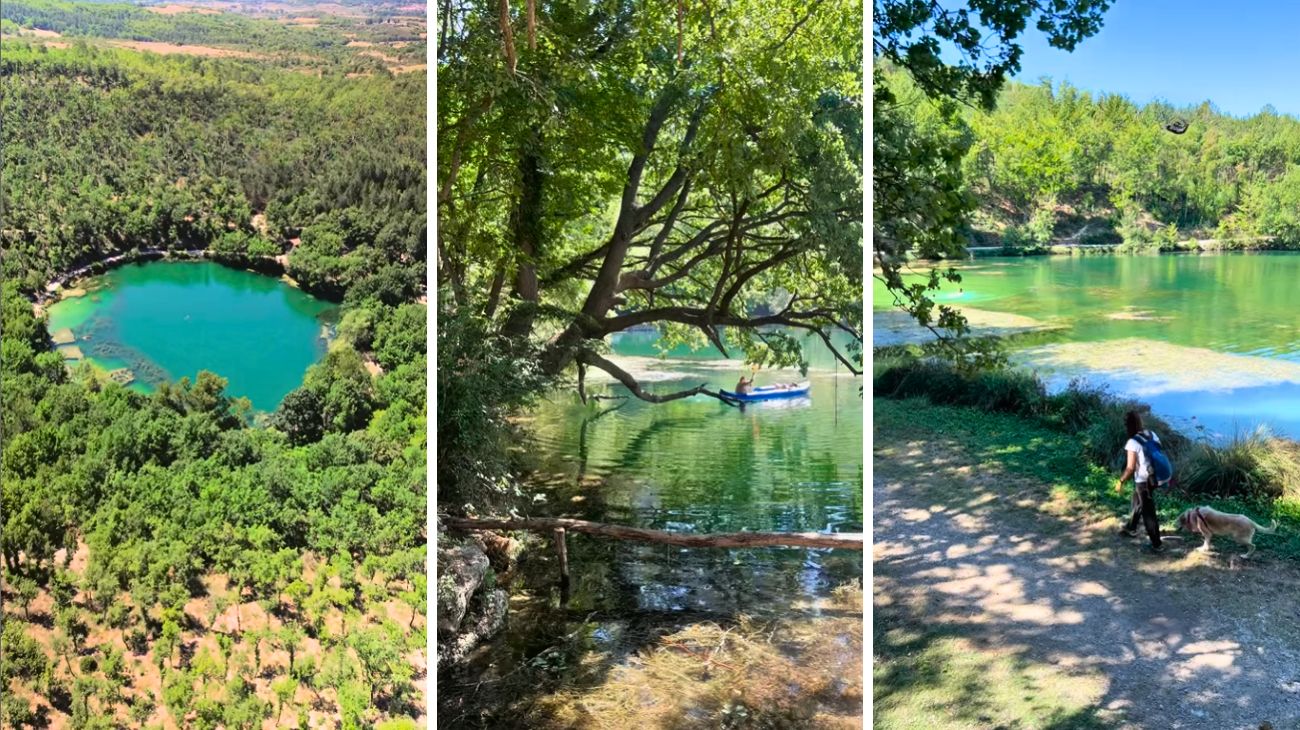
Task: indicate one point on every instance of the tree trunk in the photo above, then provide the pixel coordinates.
(527, 225)
(494, 292)
(846, 541)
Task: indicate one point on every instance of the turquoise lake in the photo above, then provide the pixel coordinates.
(1208, 340)
(168, 320)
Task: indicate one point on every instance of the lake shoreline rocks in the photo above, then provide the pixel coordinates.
(57, 288)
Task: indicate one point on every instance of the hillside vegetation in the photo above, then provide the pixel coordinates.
(1055, 164)
(171, 559)
(120, 151)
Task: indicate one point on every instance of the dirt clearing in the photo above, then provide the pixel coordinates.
(1000, 605)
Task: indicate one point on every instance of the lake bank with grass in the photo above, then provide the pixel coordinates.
(1254, 474)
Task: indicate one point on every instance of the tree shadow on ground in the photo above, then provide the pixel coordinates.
(998, 605)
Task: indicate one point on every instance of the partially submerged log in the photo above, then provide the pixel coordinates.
(844, 541)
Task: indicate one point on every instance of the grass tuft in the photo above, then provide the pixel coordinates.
(1250, 465)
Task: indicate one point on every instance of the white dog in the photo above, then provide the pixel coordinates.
(1208, 522)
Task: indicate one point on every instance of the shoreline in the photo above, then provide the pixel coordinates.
(266, 265)
(1211, 246)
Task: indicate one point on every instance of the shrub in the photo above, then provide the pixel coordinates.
(482, 378)
(22, 657)
(138, 640)
(1254, 465)
(1006, 391)
(1077, 407)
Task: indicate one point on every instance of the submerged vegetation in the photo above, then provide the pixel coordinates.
(166, 561)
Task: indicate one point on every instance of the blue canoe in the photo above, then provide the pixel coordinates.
(769, 392)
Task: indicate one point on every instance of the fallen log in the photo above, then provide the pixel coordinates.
(844, 541)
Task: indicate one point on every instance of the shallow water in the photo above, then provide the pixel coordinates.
(1243, 305)
(698, 465)
(167, 320)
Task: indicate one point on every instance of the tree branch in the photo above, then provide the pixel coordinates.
(590, 358)
(845, 541)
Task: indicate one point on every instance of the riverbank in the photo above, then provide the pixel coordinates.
(1191, 245)
(1003, 596)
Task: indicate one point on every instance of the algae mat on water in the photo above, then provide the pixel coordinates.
(1210, 336)
(166, 320)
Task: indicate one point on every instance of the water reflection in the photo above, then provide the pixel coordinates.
(700, 466)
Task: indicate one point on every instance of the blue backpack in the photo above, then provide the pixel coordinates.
(1159, 463)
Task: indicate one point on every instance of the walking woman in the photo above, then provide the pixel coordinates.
(1150, 467)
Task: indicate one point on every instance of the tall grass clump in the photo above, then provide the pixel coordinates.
(1001, 390)
(1253, 465)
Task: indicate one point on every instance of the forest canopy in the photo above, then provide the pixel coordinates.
(122, 151)
(177, 555)
(628, 166)
(1055, 164)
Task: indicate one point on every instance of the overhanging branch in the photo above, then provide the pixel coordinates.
(588, 357)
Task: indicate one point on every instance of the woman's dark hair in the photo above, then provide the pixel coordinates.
(1132, 423)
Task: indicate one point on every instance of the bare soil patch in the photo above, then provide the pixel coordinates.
(177, 9)
(174, 48)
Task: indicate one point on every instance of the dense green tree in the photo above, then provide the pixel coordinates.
(119, 153)
(654, 188)
(960, 52)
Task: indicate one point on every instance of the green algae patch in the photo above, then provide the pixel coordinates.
(1153, 366)
(1131, 315)
(894, 327)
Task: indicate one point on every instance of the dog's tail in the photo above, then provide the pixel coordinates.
(1266, 530)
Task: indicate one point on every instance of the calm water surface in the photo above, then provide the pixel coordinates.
(698, 465)
(1238, 304)
(167, 320)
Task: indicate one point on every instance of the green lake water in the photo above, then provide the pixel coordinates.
(1243, 305)
(167, 320)
(692, 465)
(697, 465)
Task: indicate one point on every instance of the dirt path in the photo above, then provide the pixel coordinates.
(1084, 628)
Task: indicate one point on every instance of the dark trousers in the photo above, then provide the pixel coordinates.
(1144, 507)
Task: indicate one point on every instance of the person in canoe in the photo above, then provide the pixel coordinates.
(745, 385)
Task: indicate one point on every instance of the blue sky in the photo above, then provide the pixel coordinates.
(1238, 55)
